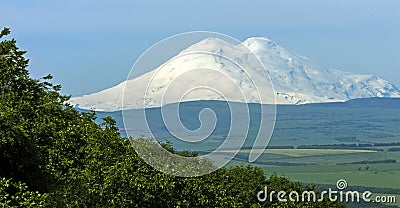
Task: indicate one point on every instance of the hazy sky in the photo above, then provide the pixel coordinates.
(91, 45)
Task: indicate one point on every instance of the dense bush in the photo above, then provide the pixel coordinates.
(16, 194)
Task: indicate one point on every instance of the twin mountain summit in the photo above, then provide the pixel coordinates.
(295, 79)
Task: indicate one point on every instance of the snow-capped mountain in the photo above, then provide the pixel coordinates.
(296, 79)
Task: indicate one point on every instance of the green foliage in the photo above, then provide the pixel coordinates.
(14, 194)
(182, 163)
(62, 158)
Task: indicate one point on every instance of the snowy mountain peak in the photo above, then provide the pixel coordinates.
(260, 43)
(296, 79)
(217, 46)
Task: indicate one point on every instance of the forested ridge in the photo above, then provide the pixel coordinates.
(51, 155)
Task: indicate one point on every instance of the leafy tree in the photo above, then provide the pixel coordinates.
(16, 194)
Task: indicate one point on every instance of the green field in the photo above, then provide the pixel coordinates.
(327, 166)
(378, 175)
(304, 152)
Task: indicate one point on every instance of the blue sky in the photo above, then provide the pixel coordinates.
(91, 45)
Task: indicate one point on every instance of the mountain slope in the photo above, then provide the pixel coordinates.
(296, 79)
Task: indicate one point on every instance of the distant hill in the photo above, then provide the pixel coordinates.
(370, 120)
(375, 102)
